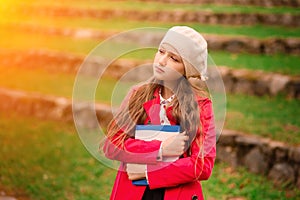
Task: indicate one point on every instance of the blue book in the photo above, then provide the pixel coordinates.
(140, 182)
(155, 132)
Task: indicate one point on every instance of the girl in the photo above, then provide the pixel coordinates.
(173, 96)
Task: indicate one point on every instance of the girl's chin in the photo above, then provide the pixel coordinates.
(165, 77)
(158, 76)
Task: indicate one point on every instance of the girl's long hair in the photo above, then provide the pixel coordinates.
(185, 110)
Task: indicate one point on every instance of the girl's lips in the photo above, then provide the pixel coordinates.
(159, 69)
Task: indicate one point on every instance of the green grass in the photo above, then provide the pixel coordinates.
(46, 160)
(249, 114)
(226, 183)
(121, 24)
(279, 63)
(25, 41)
(44, 82)
(275, 118)
(153, 6)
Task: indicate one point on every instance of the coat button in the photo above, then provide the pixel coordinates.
(194, 197)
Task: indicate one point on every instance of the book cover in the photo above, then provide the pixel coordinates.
(155, 132)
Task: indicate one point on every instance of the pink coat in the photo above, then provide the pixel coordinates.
(181, 179)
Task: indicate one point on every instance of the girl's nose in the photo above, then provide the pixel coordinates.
(163, 60)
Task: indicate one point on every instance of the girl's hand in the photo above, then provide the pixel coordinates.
(136, 176)
(175, 145)
(136, 171)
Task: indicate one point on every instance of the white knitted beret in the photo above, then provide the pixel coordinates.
(192, 48)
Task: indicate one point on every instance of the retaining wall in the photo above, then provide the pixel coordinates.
(266, 3)
(243, 81)
(276, 160)
(51, 107)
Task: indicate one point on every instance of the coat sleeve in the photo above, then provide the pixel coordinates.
(198, 166)
(134, 150)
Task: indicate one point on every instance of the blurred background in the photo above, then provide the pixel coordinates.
(255, 44)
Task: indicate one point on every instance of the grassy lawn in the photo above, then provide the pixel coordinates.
(153, 6)
(279, 63)
(254, 117)
(226, 183)
(46, 160)
(25, 41)
(58, 84)
(275, 118)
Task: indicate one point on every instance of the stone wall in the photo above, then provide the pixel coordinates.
(240, 44)
(40, 59)
(50, 107)
(276, 160)
(266, 3)
(235, 44)
(175, 16)
(241, 81)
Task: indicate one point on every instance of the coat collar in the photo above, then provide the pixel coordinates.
(152, 108)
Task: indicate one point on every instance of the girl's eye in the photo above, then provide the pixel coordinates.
(174, 59)
(161, 51)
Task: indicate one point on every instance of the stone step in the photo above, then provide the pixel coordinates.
(7, 198)
(240, 81)
(276, 160)
(174, 16)
(234, 44)
(265, 3)
(12, 194)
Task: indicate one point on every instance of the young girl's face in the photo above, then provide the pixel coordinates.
(168, 66)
